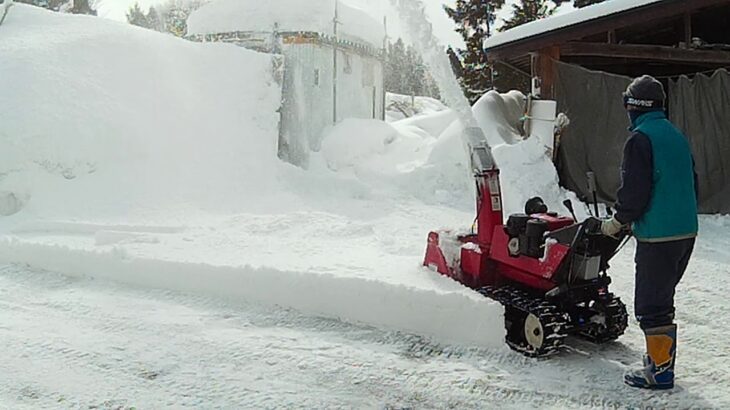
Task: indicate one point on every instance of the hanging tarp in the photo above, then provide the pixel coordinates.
(597, 132)
(701, 108)
(594, 141)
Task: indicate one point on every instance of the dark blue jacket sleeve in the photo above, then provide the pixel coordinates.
(637, 179)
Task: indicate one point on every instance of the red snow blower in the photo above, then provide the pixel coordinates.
(548, 271)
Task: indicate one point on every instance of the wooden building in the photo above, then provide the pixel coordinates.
(584, 59)
(626, 37)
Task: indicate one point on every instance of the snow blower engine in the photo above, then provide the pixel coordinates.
(548, 271)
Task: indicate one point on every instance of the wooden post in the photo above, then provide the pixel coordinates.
(687, 30)
(611, 37)
(544, 69)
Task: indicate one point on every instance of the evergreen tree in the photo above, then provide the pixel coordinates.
(395, 67)
(176, 19)
(474, 21)
(526, 11)
(455, 63)
(170, 17)
(136, 16)
(416, 73)
(82, 7)
(406, 73)
(583, 3)
(153, 20)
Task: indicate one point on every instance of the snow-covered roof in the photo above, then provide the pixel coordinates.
(560, 21)
(225, 16)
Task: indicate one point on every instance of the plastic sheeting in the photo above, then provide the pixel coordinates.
(597, 132)
(594, 141)
(701, 108)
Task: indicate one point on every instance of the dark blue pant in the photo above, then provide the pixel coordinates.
(659, 268)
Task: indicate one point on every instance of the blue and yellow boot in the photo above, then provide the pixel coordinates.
(658, 371)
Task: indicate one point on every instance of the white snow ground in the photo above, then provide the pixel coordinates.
(160, 173)
(85, 343)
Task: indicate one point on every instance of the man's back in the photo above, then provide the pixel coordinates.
(672, 210)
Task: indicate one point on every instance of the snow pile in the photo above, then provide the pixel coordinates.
(424, 156)
(132, 155)
(99, 117)
(225, 16)
(400, 106)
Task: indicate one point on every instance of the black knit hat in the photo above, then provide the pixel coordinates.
(645, 93)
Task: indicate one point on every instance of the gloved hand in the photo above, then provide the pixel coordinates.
(611, 227)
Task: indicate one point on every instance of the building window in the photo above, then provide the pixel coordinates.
(316, 76)
(347, 69)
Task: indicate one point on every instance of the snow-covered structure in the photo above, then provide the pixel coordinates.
(584, 60)
(332, 60)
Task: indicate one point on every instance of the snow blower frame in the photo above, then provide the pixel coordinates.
(548, 271)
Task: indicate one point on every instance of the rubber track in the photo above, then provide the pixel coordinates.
(554, 322)
(617, 320)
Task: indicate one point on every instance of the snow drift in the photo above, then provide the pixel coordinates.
(100, 117)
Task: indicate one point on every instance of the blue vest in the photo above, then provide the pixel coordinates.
(672, 210)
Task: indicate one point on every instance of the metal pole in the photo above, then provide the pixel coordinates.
(384, 61)
(335, 22)
(5, 8)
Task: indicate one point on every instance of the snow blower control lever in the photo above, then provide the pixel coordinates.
(549, 271)
(593, 190)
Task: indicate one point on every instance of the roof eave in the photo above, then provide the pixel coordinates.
(598, 25)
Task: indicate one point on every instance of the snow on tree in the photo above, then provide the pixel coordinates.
(170, 17)
(474, 21)
(153, 19)
(136, 16)
(82, 7)
(406, 73)
(525, 11)
(65, 6)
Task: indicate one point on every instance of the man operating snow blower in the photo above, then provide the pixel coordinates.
(658, 198)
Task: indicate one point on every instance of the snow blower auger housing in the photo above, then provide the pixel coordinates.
(548, 271)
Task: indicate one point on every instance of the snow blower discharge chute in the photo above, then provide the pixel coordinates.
(548, 271)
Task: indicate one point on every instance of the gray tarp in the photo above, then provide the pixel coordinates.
(597, 132)
(701, 108)
(598, 129)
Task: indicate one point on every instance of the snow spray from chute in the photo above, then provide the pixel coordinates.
(413, 17)
(492, 139)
